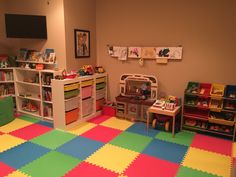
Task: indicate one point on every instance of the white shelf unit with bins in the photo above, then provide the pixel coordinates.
(34, 93)
(77, 100)
(7, 82)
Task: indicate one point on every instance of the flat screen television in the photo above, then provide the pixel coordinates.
(26, 26)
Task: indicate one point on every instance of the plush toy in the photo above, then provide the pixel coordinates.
(99, 69)
(86, 70)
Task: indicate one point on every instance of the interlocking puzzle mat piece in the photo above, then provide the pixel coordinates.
(50, 165)
(99, 119)
(166, 150)
(8, 141)
(17, 174)
(131, 141)
(29, 118)
(112, 158)
(53, 139)
(81, 128)
(117, 123)
(188, 172)
(183, 137)
(140, 128)
(31, 131)
(80, 147)
(5, 169)
(85, 169)
(14, 125)
(234, 150)
(22, 154)
(149, 166)
(210, 162)
(212, 144)
(102, 133)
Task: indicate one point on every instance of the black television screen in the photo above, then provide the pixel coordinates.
(26, 26)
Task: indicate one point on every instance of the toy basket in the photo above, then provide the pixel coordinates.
(70, 94)
(73, 103)
(87, 83)
(216, 104)
(72, 116)
(87, 106)
(70, 87)
(230, 91)
(100, 94)
(195, 112)
(99, 104)
(87, 92)
(100, 80)
(100, 86)
(204, 89)
(192, 88)
(217, 90)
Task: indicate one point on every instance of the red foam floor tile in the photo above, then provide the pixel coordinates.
(1, 133)
(213, 144)
(5, 169)
(86, 170)
(99, 119)
(31, 131)
(101, 133)
(149, 166)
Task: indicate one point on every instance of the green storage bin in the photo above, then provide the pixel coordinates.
(6, 110)
(70, 94)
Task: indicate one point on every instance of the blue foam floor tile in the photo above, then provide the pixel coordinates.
(22, 154)
(140, 128)
(48, 124)
(166, 150)
(80, 147)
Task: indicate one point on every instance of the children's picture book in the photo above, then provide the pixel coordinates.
(47, 54)
(134, 52)
(169, 52)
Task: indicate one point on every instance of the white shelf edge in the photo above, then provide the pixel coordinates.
(29, 98)
(30, 113)
(2, 82)
(49, 102)
(38, 62)
(28, 83)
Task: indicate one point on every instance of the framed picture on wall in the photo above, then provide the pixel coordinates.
(82, 43)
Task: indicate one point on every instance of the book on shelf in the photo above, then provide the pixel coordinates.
(6, 76)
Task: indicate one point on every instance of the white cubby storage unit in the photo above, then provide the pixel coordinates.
(7, 82)
(77, 100)
(34, 93)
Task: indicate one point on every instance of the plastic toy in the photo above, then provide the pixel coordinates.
(86, 70)
(99, 69)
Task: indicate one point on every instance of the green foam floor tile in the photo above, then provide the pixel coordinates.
(52, 164)
(188, 172)
(131, 141)
(183, 137)
(53, 139)
(29, 118)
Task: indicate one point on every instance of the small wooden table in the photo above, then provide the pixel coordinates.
(171, 113)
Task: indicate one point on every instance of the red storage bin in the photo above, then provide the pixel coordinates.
(109, 109)
(205, 89)
(99, 104)
(72, 116)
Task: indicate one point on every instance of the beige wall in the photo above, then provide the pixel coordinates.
(205, 28)
(79, 14)
(55, 27)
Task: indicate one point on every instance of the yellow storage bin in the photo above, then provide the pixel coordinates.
(100, 80)
(216, 104)
(71, 87)
(217, 90)
(87, 83)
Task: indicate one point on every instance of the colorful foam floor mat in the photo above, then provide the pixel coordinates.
(109, 147)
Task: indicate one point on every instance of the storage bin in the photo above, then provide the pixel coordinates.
(195, 112)
(100, 80)
(72, 103)
(217, 90)
(72, 116)
(87, 92)
(99, 104)
(87, 83)
(87, 106)
(100, 86)
(70, 94)
(216, 104)
(204, 89)
(70, 87)
(230, 91)
(100, 94)
(109, 110)
(192, 88)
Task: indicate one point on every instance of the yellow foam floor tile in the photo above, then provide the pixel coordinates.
(81, 128)
(14, 125)
(113, 158)
(206, 161)
(8, 141)
(234, 149)
(117, 123)
(17, 174)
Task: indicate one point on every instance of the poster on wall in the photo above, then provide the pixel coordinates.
(149, 52)
(174, 53)
(82, 43)
(134, 52)
(118, 52)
